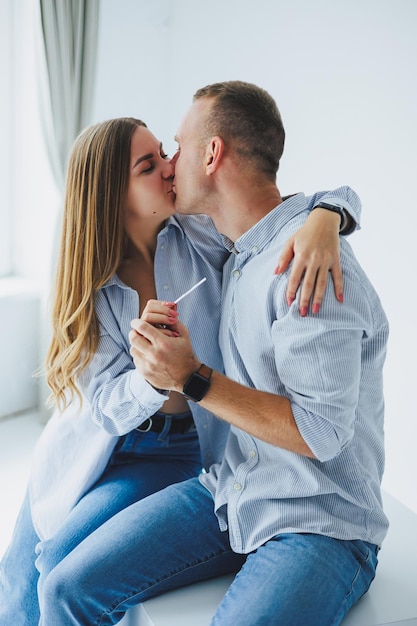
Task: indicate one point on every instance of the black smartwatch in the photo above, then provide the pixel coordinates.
(198, 384)
(336, 208)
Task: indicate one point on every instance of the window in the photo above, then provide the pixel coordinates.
(29, 199)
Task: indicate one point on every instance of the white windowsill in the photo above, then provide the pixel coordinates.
(16, 286)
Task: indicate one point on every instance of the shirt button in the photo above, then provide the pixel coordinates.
(236, 273)
(162, 246)
(252, 454)
(166, 287)
(237, 486)
(254, 249)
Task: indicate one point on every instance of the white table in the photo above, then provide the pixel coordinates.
(391, 601)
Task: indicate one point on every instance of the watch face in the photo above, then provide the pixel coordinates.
(196, 387)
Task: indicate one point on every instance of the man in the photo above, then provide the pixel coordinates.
(297, 504)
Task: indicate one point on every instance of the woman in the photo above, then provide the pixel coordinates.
(113, 438)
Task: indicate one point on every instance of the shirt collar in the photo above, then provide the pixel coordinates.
(257, 237)
(172, 222)
(115, 280)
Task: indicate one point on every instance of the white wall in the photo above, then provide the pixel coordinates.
(19, 341)
(344, 75)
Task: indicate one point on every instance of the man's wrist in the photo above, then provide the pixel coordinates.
(198, 384)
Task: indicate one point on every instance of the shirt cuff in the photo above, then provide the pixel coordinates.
(144, 392)
(319, 434)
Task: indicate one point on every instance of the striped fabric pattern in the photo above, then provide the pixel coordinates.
(120, 398)
(188, 249)
(330, 367)
(117, 399)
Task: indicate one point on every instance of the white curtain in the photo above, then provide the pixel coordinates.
(69, 46)
(67, 50)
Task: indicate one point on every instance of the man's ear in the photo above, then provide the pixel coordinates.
(214, 154)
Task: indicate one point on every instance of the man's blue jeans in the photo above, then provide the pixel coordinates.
(142, 464)
(172, 538)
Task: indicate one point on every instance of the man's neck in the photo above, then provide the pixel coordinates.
(238, 212)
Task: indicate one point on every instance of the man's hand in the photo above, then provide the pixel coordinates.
(315, 249)
(163, 356)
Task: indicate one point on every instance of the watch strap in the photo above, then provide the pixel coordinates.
(205, 371)
(335, 208)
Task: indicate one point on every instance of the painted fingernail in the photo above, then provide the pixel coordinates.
(340, 297)
(290, 300)
(303, 311)
(315, 307)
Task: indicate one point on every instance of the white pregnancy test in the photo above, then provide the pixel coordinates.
(200, 282)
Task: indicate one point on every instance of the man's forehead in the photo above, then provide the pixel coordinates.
(193, 118)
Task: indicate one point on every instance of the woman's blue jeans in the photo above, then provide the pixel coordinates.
(141, 464)
(172, 538)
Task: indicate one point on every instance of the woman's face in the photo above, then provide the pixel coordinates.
(149, 195)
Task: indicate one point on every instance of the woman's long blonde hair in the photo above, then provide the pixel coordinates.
(92, 246)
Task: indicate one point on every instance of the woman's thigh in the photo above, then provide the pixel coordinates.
(127, 479)
(168, 540)
(298, 579)
(18, 574)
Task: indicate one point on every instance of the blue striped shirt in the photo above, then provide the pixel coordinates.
(115, 396)
(188, 248)
(330, 367)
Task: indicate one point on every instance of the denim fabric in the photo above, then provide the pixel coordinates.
(18, 574)
(141, 464)
(172, 539)
(299, 580)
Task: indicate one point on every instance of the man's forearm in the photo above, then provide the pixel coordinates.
(167, 362)
(263, 415)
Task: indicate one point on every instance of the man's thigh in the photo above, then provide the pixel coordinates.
(165, 541)
(298, 579)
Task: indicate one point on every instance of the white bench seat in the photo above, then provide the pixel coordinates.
(391, 601)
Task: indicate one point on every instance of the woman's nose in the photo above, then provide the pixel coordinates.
(168, 170)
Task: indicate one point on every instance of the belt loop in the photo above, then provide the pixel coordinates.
(166, 429)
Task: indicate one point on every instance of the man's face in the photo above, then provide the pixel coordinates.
(191, 182)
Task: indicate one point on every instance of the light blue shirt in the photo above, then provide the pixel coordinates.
(188, 249)
(120, 398)
(79, 442)
(330, 366)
